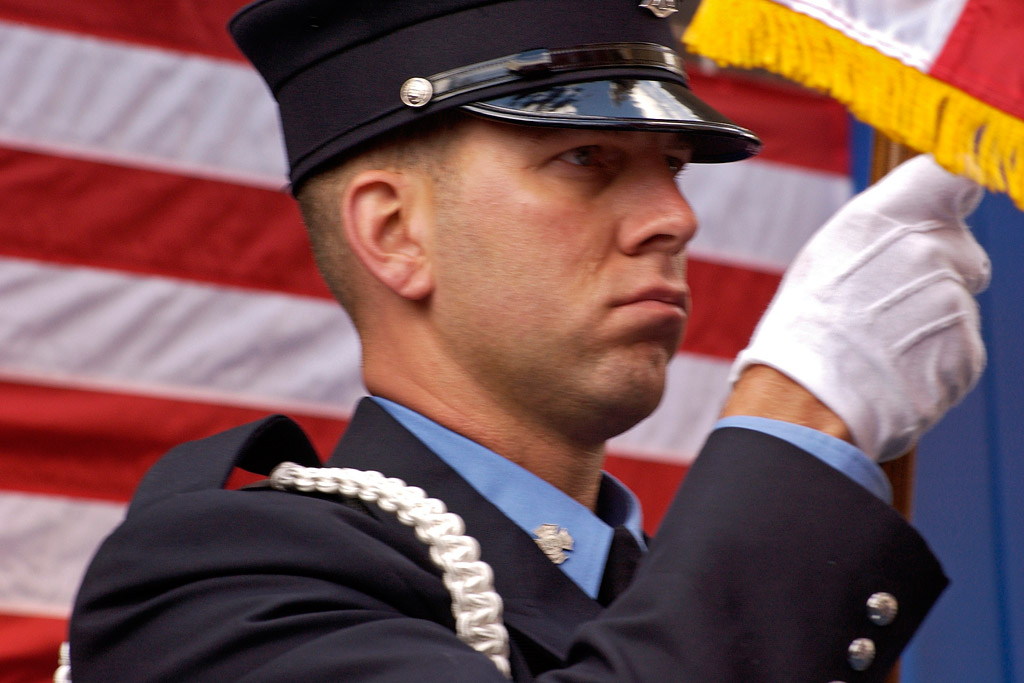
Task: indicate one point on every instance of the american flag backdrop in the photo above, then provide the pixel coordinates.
(155, 284)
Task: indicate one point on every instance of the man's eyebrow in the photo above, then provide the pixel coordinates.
(541, 133)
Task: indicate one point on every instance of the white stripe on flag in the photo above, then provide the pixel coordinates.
(100, 329)
(758, 214)
(912, 31)
(47, 543)
(80, 96)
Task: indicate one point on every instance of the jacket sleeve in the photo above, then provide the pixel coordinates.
(761, 572)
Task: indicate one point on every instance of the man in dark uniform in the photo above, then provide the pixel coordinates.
(490, 191)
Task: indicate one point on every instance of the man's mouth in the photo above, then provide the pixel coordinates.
(660, 297)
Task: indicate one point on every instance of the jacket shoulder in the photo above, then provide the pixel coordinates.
(251, 574)
(206, 464)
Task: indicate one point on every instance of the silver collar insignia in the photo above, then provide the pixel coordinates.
(553, 540)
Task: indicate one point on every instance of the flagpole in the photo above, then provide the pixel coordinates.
(886, 155)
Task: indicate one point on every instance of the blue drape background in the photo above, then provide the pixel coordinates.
(969, 492)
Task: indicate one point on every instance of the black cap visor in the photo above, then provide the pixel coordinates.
(627, 104)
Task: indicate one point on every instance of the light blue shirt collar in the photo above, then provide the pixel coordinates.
(529, 501)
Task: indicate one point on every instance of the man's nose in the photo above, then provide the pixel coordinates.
(657, 218)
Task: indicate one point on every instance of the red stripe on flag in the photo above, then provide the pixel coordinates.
(182, 25)
(107, 216)
(983, 58)
(728, 301)
(785, 117)
(29, 647)
(97, 445)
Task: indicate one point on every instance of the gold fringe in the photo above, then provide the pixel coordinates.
(965, 135)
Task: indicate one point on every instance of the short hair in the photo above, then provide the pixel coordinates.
(422, 145)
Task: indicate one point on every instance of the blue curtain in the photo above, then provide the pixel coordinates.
(969, 493)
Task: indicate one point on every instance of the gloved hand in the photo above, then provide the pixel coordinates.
(876, 316)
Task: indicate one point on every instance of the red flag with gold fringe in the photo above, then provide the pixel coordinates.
(940, 76)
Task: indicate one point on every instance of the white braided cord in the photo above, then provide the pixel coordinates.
(63, 672)
(477, 608)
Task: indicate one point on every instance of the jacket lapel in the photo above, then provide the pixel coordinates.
(540, 601)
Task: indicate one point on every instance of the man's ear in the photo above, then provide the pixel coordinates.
(387, 218)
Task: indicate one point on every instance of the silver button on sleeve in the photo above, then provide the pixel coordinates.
(861, 653)
(882, 608)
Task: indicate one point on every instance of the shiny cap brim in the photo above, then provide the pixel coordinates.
(627, 104)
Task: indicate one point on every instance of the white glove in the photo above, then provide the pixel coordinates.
(876, 316)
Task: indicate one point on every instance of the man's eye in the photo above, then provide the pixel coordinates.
(582, 156)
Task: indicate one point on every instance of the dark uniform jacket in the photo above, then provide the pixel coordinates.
(761, 571)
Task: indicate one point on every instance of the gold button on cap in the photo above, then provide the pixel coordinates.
(861, 653)
(882, 608)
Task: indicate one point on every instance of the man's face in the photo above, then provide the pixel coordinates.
(560, 271)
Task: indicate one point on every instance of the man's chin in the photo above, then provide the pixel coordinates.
(631, 404)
